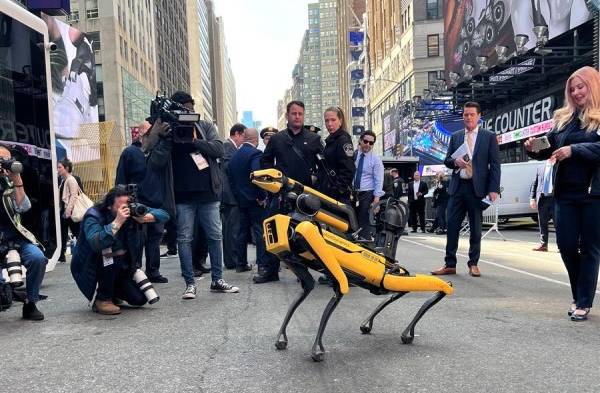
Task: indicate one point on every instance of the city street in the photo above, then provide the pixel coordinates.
(506, 331)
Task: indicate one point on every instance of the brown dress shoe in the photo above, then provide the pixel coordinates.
(541, 247)
(444, 271)
(474, 271)
(105, 307)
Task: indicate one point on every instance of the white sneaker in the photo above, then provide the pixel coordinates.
(190, 292)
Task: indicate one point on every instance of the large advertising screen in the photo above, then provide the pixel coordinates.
(474, 27)
(25, 120)
(74, 93)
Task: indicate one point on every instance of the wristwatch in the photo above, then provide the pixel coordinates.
(114, 227)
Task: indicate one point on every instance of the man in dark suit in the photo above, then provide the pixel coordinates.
(417, 190)
(542, 199)
(229, 209)
(475, 175)
(251, 201)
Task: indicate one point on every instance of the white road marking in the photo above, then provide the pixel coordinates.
(497, 265)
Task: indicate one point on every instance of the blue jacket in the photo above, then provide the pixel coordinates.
(96, 235)
(485, 161)
(245, 160)
(588, 151)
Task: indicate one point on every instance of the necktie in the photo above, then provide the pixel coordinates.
(359, 169)
(469, 168)
(547, 188)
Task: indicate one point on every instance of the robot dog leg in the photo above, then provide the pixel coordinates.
(367, 325)
(319, 248)
(308, 283)
(408, 334)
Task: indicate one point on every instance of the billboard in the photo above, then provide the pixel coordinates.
(74, 94)
(474, 27)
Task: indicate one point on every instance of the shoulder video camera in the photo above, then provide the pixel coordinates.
(182, 120)
(11, 165)
(136, 209)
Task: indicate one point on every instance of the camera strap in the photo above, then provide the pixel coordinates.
(298, 152)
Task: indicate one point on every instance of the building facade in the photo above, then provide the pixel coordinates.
(199, 57)
(315, 77)
(123, 38)
(172, 46)
(350, 14)
(405, 44)
(223, 83)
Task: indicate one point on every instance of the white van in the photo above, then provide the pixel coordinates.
(515, 187)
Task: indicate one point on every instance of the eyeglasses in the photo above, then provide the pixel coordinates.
(368, 142)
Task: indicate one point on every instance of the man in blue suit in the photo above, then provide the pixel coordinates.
(251, 202)
(474, 176)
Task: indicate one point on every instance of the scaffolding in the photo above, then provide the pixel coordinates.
(95, 156)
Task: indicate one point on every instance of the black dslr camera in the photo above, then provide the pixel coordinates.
(136, 209)
(182, 120)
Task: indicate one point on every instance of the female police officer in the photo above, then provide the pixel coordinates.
(337, 169)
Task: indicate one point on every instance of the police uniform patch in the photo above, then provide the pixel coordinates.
(349, 149)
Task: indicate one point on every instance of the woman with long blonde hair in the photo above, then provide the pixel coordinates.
(575, 145)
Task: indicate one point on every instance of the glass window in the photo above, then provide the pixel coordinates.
(433, 45)
(94, 38)
(432, 9)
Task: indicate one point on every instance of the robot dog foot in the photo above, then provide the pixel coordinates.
(282, 342)
(408, 335)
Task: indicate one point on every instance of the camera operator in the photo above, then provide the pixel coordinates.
(198, 187)
(103, 256)
(14, 203)
(147, 163)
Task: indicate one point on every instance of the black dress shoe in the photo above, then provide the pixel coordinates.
(198, 273)
(203, 269)
(324, 280)
(413, 231)
(31, 313)
(264, 279)
(159, 279)
(241, 269)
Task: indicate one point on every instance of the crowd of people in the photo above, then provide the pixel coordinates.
(198, 197)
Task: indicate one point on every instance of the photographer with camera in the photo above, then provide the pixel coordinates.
(104, 257)
(147, 163)
(12, 232)
(198, 188)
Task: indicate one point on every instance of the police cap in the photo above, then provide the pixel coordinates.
(314, 129)
(268, 131)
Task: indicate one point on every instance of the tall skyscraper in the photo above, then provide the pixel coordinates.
(223, 83)
(124, 42)
(172, 46)
(248, 119)
(199, 57)
(315, 75)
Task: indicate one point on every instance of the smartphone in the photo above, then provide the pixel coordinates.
(540, 143)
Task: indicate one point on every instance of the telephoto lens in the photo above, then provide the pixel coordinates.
(13, 267)
(145, 286)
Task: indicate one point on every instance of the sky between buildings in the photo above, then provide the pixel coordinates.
(263, 40)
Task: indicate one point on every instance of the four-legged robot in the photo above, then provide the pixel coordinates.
(318, 234)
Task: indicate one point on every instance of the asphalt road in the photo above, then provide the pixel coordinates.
(504, 332)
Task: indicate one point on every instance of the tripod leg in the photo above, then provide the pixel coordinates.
(318, 351)
(367, 325)
(308, 283)
(408, 334)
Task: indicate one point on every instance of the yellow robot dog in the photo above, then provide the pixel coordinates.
(319, 233)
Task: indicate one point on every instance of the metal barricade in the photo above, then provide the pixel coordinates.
(489, 217)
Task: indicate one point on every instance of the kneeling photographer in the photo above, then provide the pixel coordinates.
(105, 257)
(17, 244)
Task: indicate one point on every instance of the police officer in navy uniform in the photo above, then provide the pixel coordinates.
(337, 170)
(293, 151)
(266, 134)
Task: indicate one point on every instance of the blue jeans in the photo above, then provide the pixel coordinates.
(35, 262)
(210, 219)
